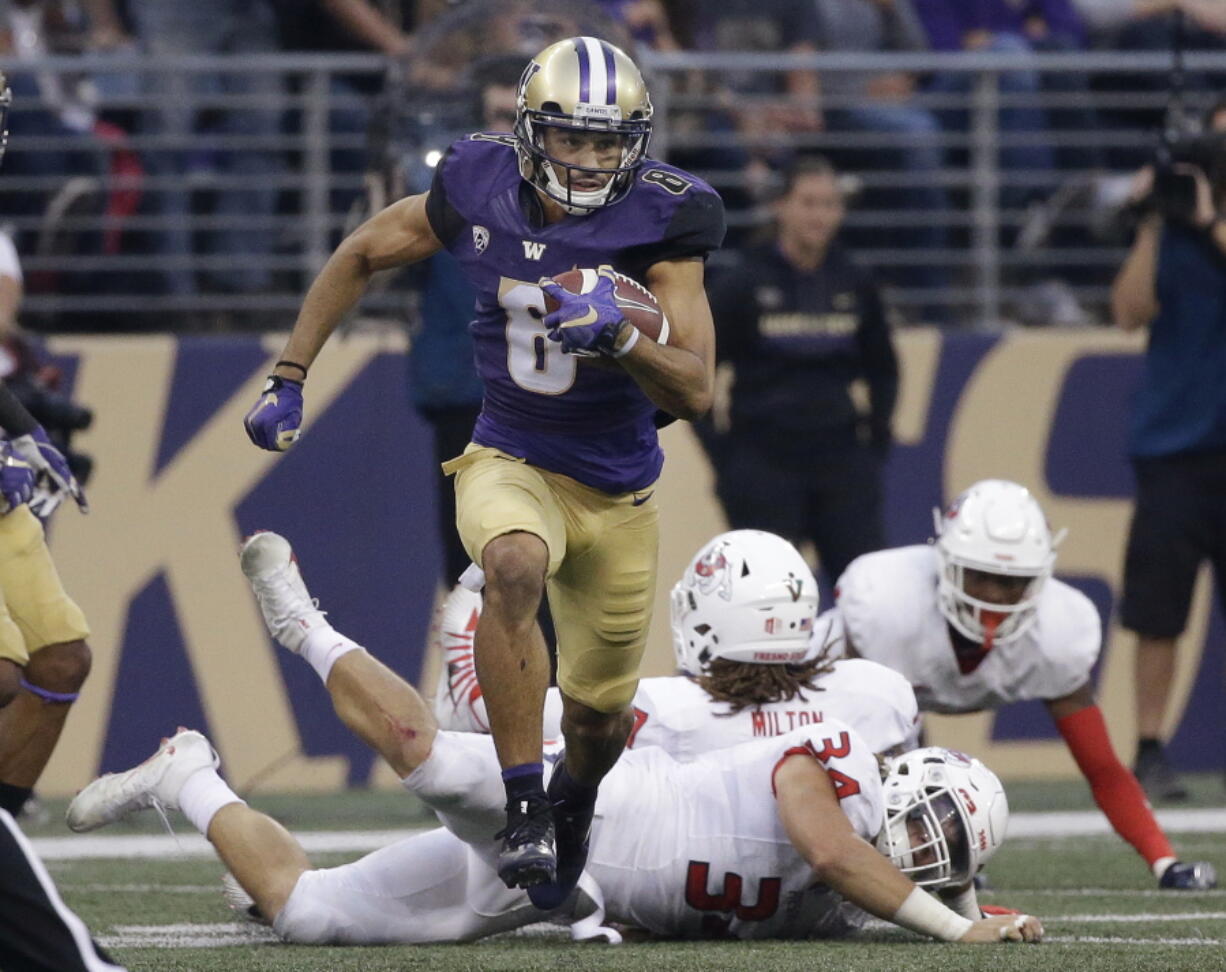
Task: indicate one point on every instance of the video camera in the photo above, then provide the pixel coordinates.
(1174, 192)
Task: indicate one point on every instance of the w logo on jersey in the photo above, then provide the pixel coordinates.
(533, 250)
(481, 238)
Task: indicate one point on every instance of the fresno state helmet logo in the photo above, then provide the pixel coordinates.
(713, 573)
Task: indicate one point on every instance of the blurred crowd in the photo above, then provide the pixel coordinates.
(194, 172)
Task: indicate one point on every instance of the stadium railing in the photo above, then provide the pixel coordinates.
(155, 259)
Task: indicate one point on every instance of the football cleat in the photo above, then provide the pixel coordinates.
(458, 704)
(1194, 876)
(528, 857)
(572, 828)
(154, 783)
(290, 613)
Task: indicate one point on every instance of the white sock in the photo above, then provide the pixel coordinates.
(202, 795)
(324, 646)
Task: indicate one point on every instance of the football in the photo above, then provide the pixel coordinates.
(637, 303)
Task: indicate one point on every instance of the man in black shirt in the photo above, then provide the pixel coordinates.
(800, 322)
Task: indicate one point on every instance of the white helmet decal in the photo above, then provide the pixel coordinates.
(747, 596)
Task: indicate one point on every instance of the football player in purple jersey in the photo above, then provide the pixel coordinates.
(555, 490)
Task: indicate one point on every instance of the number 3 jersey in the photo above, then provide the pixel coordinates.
(590, 423)
(698, 849)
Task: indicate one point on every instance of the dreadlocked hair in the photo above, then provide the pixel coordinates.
(744, 684)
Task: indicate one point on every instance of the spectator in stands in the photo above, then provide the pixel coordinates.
(800, 322)
(866, 102)
(1174, 282)
(50, 109)
(764, 103)
(1149, 25)
(1017, 27)
(187, 116)
(346, 26)
(646, 21)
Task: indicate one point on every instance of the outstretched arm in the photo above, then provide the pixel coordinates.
(821, 832)
(1115, 789)
(397, 236)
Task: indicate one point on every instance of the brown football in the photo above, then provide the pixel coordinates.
(637, 303)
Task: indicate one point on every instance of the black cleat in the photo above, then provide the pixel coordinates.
(573, 828)
(1155, 775)
(528, 858)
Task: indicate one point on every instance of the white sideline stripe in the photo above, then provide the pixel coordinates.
(193, 845)
(188, 935)
(144, 888)
(1021, 825)
(1099, 940)
(1086, 822)
(1114, 893)
(1185, 916)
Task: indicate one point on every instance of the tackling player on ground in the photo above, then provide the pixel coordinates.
(770, 839)
(975, 621)
(556, 488)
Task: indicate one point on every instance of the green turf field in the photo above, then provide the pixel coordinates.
(1100, 908)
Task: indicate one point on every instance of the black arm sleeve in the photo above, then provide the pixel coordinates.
(14, 418)
(696, 228)
(879, 362)
(445, 221)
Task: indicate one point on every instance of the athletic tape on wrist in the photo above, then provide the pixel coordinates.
(47, 695)
(923, 913)
(631, 341)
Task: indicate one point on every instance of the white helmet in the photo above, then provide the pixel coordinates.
(747, 596)
(945, 815)
(996, 527)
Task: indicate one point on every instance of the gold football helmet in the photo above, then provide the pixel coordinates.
(588, 84)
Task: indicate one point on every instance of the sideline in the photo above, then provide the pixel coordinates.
(110, 846)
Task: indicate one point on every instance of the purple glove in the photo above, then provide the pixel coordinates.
(585, 324)
(54, 478)
(273, 423)
(16, 479)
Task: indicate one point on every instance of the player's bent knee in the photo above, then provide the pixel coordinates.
(303, 920)
(60, 668)
(515, 566)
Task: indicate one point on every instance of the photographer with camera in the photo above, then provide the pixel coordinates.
(1174, 282)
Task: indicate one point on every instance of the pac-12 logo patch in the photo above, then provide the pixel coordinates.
(481, 238)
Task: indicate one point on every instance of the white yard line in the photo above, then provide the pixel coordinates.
(1176, 916)
(1086, 822)
(193, 845)
(1098, 940)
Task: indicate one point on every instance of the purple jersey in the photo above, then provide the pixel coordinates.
(553, 410)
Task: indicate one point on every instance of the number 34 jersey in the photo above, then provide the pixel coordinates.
(549, 408)
(698, 849)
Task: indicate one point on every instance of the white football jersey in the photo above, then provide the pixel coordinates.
(886, 605)
(675, 714)
(698, 850)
